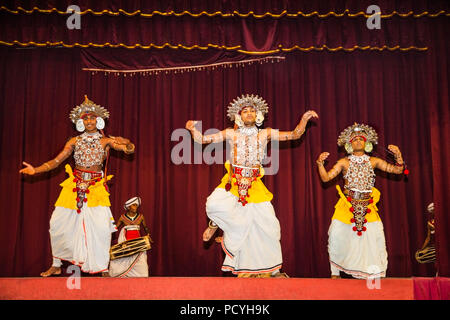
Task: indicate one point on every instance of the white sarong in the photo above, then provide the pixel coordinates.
(251, 233)
(129, 267)
(359, 256)
(84, 238)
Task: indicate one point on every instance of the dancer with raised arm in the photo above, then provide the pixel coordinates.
(240, 205)
(82, 223)
(356, 242)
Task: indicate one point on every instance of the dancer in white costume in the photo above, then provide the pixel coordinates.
(82, 223)
(135, 265)
(240, 205)
(356, 242)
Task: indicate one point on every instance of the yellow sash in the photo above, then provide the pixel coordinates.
(257, 193)
(97, 196)
(343, 214)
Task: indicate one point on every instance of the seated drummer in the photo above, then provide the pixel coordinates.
(132, 220)
(134, 265)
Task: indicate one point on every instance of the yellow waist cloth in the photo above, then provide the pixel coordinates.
(342, 207)
(257, 193)
(97, 196)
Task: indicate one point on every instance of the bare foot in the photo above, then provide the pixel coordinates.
(51, 271)
(208, 233)
(105, 274)
(335, 277)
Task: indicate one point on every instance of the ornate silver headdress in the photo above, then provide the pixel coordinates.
(86, 107)
(357, 130)
(247, 101)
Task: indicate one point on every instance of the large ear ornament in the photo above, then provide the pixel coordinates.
(368, 147)
(348, 148)
(100, 123)
(238, 121)
(259, 118)
(80, 125)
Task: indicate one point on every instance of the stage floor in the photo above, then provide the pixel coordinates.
(203, 288)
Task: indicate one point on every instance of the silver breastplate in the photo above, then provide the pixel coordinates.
(247, 150)
(88, 150)
(360, 175)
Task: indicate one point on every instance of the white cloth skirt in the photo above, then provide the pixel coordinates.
(84, 238)
(360, 256)
(251, 233)
(129, 267)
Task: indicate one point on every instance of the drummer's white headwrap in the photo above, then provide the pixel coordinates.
(135, 200)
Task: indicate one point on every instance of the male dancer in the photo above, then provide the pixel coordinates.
(356, 242)
(240, 205)
(82, 223)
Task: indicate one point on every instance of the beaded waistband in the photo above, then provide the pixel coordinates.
(247, 172)
(87, 175)
(359, 195)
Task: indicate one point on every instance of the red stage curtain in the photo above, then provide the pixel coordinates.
(431, 289)
(246, 35)
(404, 95)
(225, 8)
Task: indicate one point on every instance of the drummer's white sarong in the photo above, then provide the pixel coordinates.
(84, 238)
(129, 267)
(360, 256)
(251, 237)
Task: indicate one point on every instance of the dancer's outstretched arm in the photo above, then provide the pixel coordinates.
(205, 139)
(51, 164)
(296, 133)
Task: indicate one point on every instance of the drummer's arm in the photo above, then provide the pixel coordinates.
(119, 223)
